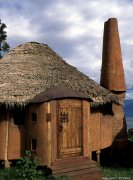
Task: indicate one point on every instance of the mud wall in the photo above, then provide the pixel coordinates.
(100, 130)
(12, 137)
(2, 133)
(37, 130)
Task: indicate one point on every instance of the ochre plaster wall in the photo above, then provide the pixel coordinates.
(118, 119)
(38, 130)
(95, 131)
(2, 133)
(100, 130)
(12, 137)
(106, 131)
(119, 127)
(16, 141)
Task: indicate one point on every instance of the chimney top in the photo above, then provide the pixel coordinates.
(112, 19)
(112, 74)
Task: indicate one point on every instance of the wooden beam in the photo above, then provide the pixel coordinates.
(98, 156)
(54, 134)
(6, 162)
(49, 136)
(86, 144)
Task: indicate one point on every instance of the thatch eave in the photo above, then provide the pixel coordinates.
(34, 68)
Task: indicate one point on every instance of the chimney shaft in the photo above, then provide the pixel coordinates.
(112, 73)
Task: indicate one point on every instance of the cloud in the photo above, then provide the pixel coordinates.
(129, 94)
(72, 28)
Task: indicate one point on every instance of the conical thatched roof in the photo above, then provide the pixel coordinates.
(33, 68)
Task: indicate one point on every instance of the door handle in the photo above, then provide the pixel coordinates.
(60, 128)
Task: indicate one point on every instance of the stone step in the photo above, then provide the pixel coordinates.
(73, 164)
(71, 159)
(80, 172)
(70, 169)
(76, 167)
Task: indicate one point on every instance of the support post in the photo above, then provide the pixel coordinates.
(6, 162)
(49, 136)
(98, 155)
(86, 135)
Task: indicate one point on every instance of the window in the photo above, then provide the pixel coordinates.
(2, 112)
(33, 144)
(19, 116)
(34, 117)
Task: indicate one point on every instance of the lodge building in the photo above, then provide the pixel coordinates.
(58, 113)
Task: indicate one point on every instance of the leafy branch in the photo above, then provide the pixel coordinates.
(4, 46)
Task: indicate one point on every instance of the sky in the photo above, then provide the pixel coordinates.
(72, 28)
(129, 94)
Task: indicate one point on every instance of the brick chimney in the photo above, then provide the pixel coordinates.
(112, 78)
(112, 73)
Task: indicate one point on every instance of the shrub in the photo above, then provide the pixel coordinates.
(26, 167)
(130, 131)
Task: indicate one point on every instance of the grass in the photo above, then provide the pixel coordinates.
(115, 173)
(109, 173)
(130, 138)
(8, 174)
(130, 135)
(122, 169)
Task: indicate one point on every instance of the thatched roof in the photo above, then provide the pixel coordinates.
(33, 68)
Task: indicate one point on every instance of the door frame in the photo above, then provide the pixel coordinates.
(54, 129)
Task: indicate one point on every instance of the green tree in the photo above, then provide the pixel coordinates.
(4, 46)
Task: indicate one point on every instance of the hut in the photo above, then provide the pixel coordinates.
(52, 109)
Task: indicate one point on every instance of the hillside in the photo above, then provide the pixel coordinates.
(128, 108)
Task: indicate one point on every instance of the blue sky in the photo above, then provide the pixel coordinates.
(129, 94)
(72, 28)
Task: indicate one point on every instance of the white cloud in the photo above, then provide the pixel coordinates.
(129, 94)
(21, 27)
(73, 28)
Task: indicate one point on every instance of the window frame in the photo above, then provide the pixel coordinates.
(33, 144)
(34, 117)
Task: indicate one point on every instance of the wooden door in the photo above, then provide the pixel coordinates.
(70, 128)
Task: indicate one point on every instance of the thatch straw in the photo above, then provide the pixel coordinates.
(32, 68)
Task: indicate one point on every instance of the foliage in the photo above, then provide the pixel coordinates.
(27, 167)
(117, 173)
(4, 46)
(4, 174)
(10, 174)
(130, 131)
(130, 135)
(130, 138)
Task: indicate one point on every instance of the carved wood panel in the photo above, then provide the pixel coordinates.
(70, 126)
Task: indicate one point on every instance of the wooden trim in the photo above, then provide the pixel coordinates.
(49, 136)
(48, 117)
(98, 156)
(86, 112)
(53, 131)
(6, 137)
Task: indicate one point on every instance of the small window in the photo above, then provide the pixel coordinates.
(33, 144)
(19, 117)
(34, 117)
